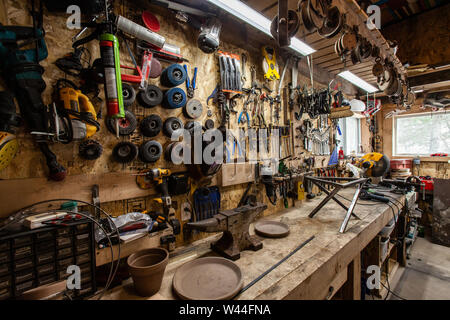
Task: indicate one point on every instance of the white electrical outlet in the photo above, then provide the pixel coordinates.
(186, 211)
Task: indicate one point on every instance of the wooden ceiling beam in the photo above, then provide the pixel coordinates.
(429, 78)
(350, 66)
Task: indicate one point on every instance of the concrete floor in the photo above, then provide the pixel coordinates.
(426, 275)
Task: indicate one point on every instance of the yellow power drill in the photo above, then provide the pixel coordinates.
(160, 176)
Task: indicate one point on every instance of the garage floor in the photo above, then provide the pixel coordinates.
(427, 274)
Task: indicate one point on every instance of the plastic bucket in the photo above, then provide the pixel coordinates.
(147, 270)
(386, 231)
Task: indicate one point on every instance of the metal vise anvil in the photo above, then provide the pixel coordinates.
(234, 224)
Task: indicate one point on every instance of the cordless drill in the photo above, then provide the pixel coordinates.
(22, 73)
(161, 176)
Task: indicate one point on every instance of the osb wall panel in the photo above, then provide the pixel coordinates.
(29, 162)
(423, 39)
(365, 136)
(428, 167)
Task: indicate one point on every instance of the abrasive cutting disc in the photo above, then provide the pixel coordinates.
(8, 149)
(193, 109)
(155, 68)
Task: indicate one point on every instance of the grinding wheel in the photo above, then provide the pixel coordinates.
(155, 68)
(193, 109)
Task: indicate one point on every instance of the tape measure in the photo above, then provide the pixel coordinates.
(270, 65)
(8, 148)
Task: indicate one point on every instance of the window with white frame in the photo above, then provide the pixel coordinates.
(421, 134)
(350, 140)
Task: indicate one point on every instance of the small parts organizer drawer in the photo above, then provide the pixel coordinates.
(34, 258)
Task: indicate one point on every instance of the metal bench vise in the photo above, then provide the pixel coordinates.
(234, 224)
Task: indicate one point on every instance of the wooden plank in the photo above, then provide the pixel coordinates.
(363, 73)
(237, 173)
(364, 69)
(435, 77)
(335, 285)
(313, 37)
(350, 66)
(324, 52)
(3, 13)
(322, 43)
(103, 256)
(327, 58)
(393, 268)
(351, 290)
(20, 193)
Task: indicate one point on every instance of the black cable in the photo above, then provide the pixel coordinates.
(372, 204)
(393, 212)
(109, 280)
(364, 204)
(390, 291)
(22, 214)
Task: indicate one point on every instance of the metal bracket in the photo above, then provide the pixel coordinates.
(337, 183)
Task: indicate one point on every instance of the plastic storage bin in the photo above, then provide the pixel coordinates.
(384, 244)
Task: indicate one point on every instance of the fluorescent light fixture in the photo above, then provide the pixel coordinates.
(301, 47)
(418, 90)
(257, 20)
(357, 81)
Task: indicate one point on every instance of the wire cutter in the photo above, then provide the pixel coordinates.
(190, 84)
(235, 144)
(244, 112)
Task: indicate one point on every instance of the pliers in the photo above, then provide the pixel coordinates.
(235, 144)
(240, 120)
(190, 84)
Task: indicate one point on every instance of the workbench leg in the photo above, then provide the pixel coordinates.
(401, 233)
(351, 290)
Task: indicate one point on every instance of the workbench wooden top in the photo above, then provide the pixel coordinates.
(307, 274)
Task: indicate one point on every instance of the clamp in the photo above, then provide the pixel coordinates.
(190, 84)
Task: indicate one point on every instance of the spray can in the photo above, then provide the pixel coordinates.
(109, 50)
